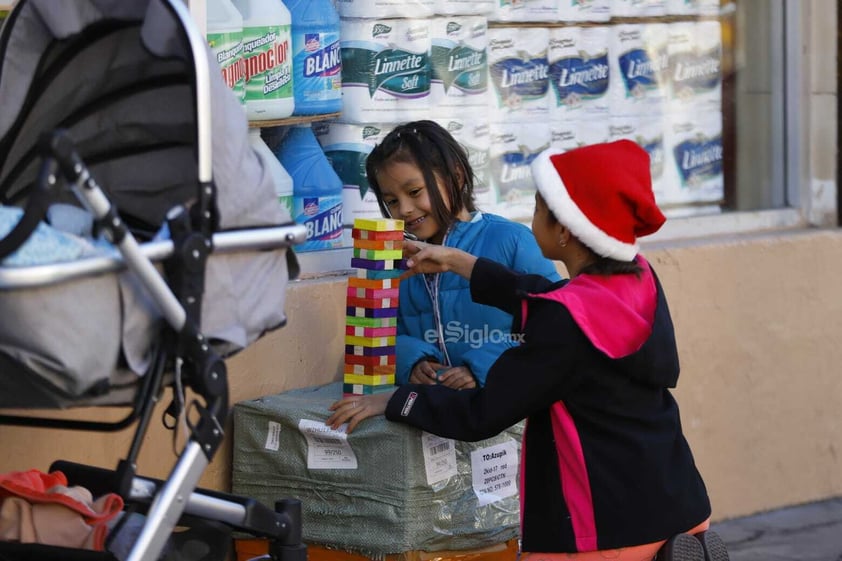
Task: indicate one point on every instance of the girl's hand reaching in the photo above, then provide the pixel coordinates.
(431, 258)
(354, 408)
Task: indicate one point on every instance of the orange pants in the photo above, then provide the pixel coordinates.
(645, 552)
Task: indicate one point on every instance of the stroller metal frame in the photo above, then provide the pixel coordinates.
(203, 370)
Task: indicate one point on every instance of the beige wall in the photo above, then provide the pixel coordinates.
(758, 322)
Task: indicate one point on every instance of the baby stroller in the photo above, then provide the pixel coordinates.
(122, 94)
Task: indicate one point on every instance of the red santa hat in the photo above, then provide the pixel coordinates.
(603, 194)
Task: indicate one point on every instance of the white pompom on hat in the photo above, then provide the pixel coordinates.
(603, 194)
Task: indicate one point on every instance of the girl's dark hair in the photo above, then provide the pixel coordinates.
(606, 266)
(433, 149)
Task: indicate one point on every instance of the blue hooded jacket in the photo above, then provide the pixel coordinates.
(474, 334)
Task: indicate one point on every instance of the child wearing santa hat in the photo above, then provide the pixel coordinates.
(606, 472)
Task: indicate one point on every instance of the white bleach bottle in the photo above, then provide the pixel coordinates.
(267, 57)
(282, 180)
(225, 38)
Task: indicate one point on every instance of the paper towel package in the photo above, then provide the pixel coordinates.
(385, 488)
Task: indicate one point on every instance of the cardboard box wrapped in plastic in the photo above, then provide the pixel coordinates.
(385, 488)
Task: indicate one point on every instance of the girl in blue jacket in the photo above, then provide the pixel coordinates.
(421, 175)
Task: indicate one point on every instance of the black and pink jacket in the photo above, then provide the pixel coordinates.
(604, 462)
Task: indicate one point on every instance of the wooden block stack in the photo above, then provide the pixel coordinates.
(372, 306)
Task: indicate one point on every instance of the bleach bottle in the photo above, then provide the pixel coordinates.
(225, 38)
(267, 57)
(317, 190)
(317, 58)
(282, 180)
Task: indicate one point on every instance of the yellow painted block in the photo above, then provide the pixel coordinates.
(369, 380)
(369, 341)
(378, 224)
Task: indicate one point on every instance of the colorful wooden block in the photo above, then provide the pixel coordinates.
(362, 389)
(355, 321)
(358, 234)
(370, 341)
(373, 292)
(376, 284)
(370, 370)
(370, 360)
(369, 380)
(375, 303)
(361, 331)
(362, 350)
(379, 275)
(355, 311)
(379, 244)
(379, 224)
(378, 254)
(377, 264)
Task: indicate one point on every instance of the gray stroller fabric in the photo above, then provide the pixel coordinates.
(130, 113)
(384, 506)
(118, 76)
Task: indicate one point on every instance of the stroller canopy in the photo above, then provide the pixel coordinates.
(119, 76)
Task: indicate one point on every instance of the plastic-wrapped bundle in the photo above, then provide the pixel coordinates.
(388, 488)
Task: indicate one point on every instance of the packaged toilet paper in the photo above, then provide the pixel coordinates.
(640, 63)
(519, 79)
(693, 166)
(385, 70)
(524, 10)
(579, 72)
(695, 66)
(459, 66)
(638, 8)
(692, 7)
(584, 10)
(513, 148)
(567, 135)
(464, 7)
(385, 8)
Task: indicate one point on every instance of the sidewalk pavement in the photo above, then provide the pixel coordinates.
(810, 532)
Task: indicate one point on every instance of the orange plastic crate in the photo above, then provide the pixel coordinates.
(249, 548)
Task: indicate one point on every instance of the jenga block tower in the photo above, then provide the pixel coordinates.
(372, 306)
